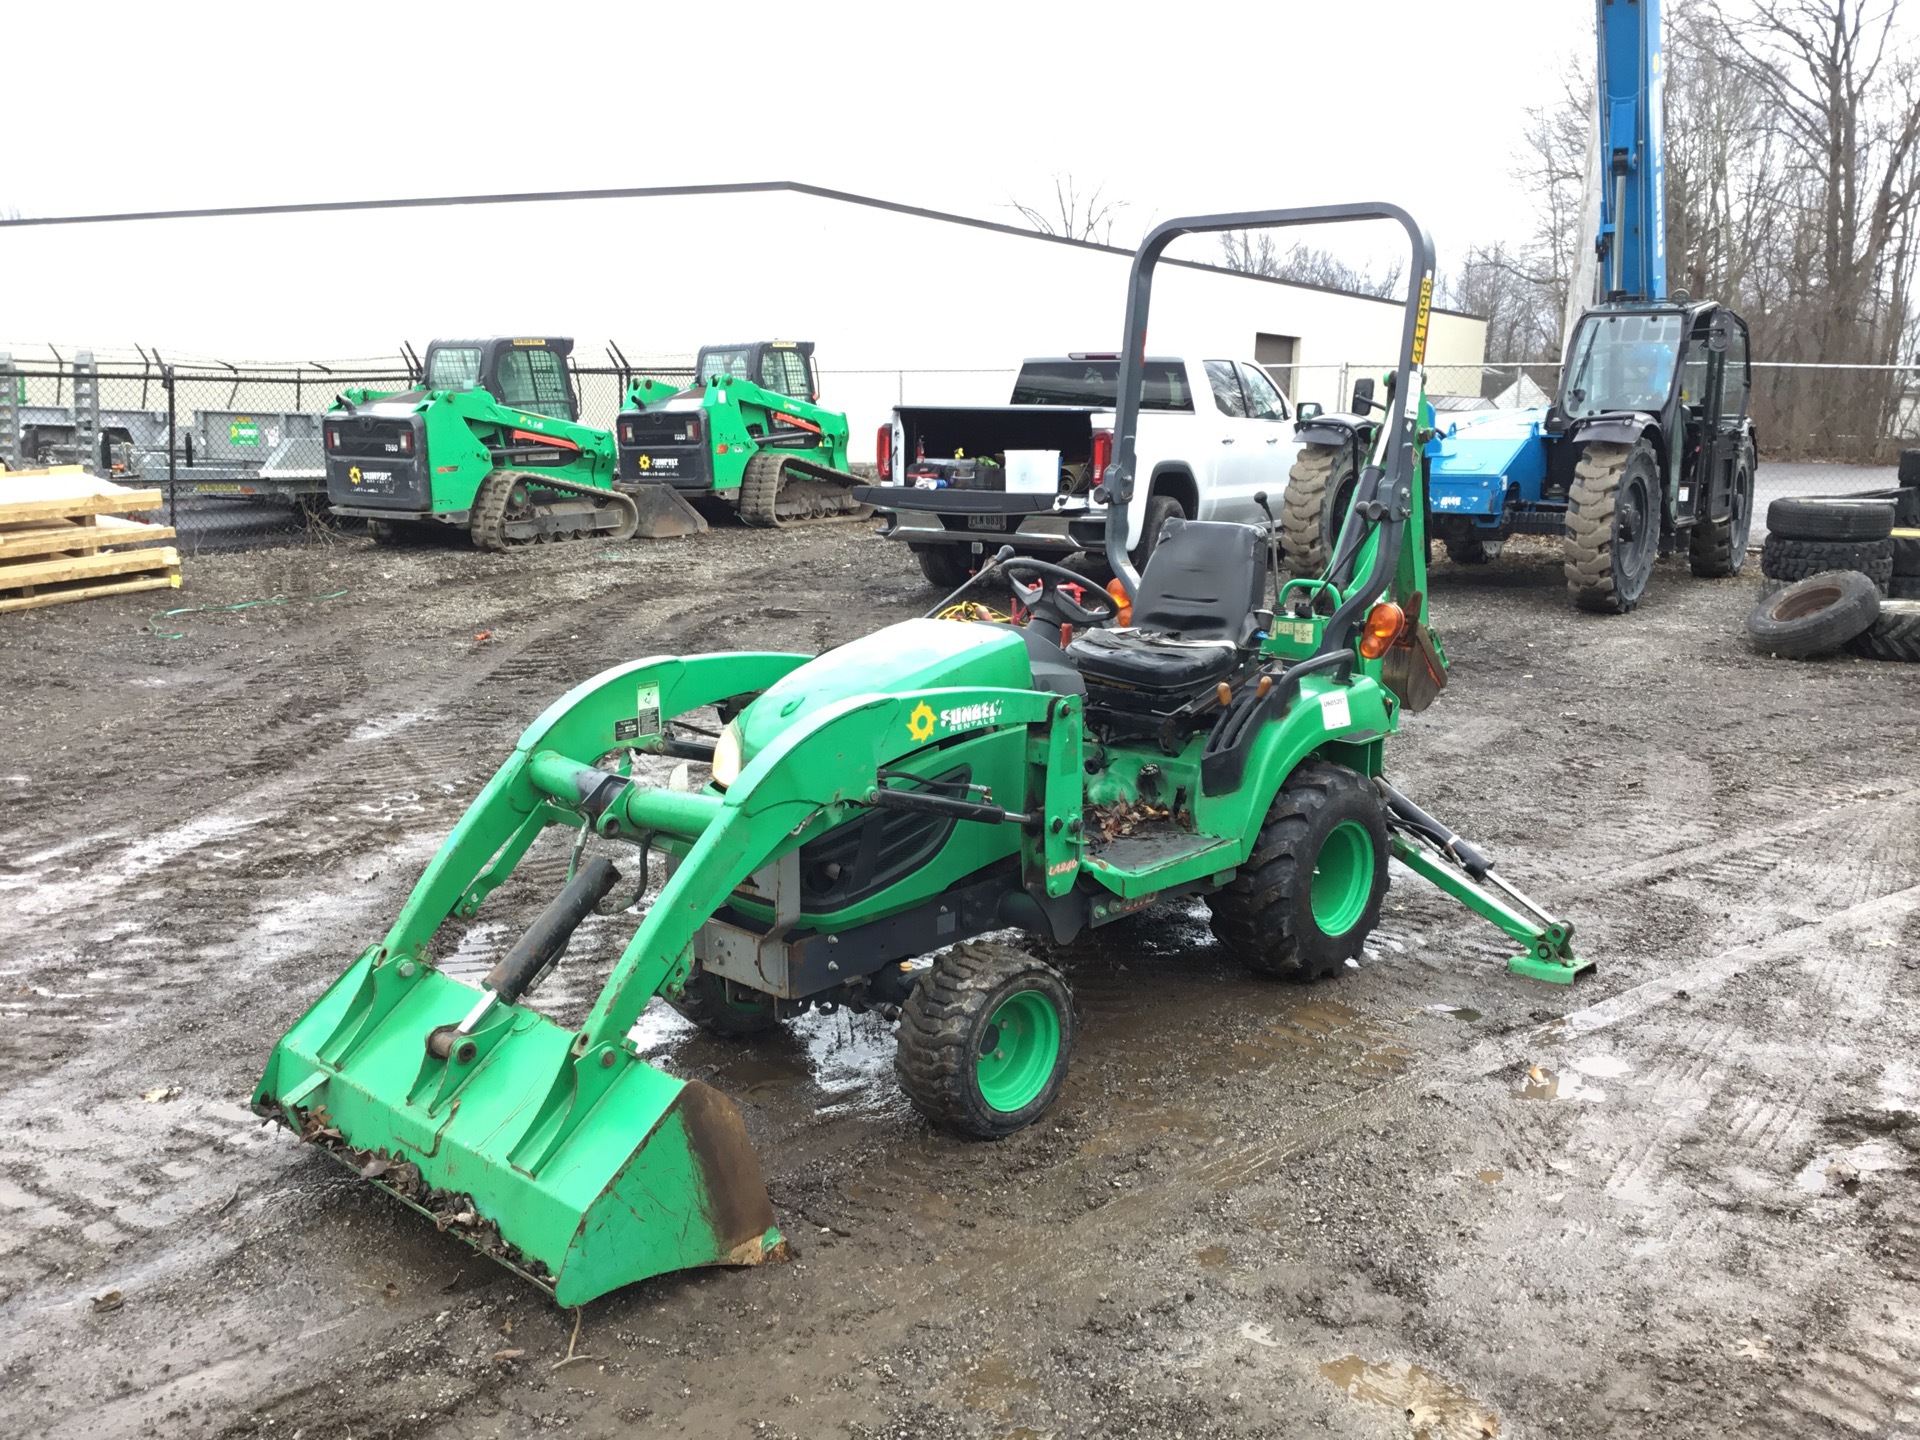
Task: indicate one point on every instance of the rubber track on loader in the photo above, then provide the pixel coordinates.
(771, 497)
(488, 525)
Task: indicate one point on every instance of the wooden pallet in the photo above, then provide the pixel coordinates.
(58, 530)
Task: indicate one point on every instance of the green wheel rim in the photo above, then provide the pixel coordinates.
(1018, 1049)
(1342, 878)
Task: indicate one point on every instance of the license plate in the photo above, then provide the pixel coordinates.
(218, 489)
(986, 522)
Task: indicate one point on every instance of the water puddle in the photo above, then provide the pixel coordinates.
(993, 1384)
(1433, 1408)
(1843, 1170)
(381, 726)
(1490, 1177)
(1541, 1083)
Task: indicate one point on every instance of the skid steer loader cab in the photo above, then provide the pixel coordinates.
(527, 374)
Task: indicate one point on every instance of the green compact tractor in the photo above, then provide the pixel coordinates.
(749, 431)
(939, 779)
(489, 442)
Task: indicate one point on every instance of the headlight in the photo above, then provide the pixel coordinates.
(726, 756)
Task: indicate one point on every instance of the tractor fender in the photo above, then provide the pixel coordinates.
(1237, 785)
(1332, 430)
(1622, 430)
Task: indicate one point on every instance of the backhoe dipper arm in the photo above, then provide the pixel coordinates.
(1465, 871)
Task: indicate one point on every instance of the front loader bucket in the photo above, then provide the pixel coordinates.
(664, 515)
(583, 1173)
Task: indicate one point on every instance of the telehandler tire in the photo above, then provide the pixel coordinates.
(984, 1040)
(945, 566)
(1319, 489)
(1719, 548)
(1613, 526)
(706, 1002)
(1309, 895)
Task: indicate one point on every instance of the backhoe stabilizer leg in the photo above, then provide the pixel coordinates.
(1549, 954)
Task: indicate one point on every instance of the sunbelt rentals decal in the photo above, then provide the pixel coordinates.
(925, 720)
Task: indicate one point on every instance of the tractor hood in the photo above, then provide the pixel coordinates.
(913, 655)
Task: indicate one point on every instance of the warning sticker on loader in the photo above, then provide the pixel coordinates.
(649, 707)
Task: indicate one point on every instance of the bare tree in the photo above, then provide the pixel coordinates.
(1073, 215)
(1253, 252)
(1843, 98)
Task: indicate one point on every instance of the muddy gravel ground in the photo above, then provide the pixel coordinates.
(1425, 1198)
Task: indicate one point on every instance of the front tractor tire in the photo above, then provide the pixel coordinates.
(1319, 491)
(1309, 895)
(1613, 526)
(984, 1040)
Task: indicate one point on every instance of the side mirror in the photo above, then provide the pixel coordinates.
(1720, 333)
(1362, 395)
(1308, 410)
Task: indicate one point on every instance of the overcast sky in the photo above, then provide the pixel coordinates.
(1174, 108)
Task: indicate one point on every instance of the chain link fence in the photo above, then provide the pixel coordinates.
(236, 449)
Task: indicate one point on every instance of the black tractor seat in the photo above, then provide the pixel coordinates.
(1193, 619)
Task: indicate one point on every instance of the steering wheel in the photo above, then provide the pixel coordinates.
(1051, 577)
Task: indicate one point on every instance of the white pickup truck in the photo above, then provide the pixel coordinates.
(958, 483)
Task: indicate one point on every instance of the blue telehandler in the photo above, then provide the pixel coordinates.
(1647, 445)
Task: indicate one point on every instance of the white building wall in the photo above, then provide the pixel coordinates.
(890, 299)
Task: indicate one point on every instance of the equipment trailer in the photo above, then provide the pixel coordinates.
(933, 781)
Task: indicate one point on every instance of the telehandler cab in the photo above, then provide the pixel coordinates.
(887, 800)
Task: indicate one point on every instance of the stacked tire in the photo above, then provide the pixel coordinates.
(1808, 536)
(1843, 572)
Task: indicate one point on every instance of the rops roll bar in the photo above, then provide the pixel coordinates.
(1384, 495)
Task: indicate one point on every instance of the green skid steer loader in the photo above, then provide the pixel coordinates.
(936, 780)
(749, 431)
(490, 443)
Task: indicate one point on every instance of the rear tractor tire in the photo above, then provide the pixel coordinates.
(1319, 492)
(1309, 895)
(1613, 526)
(720, 1008)
(984, 1040)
